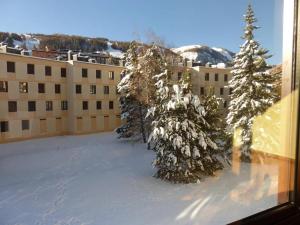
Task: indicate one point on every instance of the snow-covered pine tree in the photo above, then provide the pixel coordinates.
(132, 110)
(184, 150)
(253, 87)
(151, 63)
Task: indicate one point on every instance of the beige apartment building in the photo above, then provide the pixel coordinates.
(42, 97)
(207, 79)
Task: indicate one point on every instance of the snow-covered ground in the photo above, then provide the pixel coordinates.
(97, 179)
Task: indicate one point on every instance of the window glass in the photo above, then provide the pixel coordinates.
(11, 67)
(3, 86)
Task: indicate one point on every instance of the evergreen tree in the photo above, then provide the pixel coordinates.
(132, 110)
(253, 87)
(151, 63)
(184, 150)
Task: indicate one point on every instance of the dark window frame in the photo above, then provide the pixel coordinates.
(41, 88)
(84, 72)
(4, 86)
(93, 89)
(12, 106)
(111, 105)
(10, 67)
(57, 88)
(31, 106)
(48, 71)
(221, 91)
(25, 124)
(85, 105)
(206, 76)
(225, 77)
(202, 91)
(30, 69)
(111, 75)
(24, 86)
(98, 74)
(98, 105)
(64, 105)
(216, 77)
(49, 106)
(78, 89)
(63, 72)
(106, 90)
(4, 126)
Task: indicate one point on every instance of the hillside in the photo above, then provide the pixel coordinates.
(204, 54)
(62, 41)
(197, 53)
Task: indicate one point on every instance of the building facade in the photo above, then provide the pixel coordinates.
(41, 97)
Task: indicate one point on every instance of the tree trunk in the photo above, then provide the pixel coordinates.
(142, 123)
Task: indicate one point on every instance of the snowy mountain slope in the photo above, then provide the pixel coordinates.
(114, 52)
(204, 54)
(27, 40)
(198, 53)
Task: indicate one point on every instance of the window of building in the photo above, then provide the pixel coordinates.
(3, 86)
(11, 67)
(216, 76)
(30, 68)
(31, 106)
(111, 75)
(12, 106)
(48, 71)
(106, 90)
(41, 88)
(207, 76)
(225, 77)
(63, 72)
(3, 126)
(111, 105)
(230, 91)
(78, 88)
(98, 74)
(221, 91)
(49, 105)
(85, 105)
(92, 89)
(99, 105)
(23, 87)
(202, 90)
(225, 104)
(117, 91)
(179, 75)
(84, 72)
(64, 105)
(25, 124)
(57, 88)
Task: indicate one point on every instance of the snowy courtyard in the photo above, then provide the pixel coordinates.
(98, 179)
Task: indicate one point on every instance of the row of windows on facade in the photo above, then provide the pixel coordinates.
(23, 88)
(13, 105)
(11, 68)
(221, 92)
(179, 76)
(4, 125)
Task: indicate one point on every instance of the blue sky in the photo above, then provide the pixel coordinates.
(211, 22)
